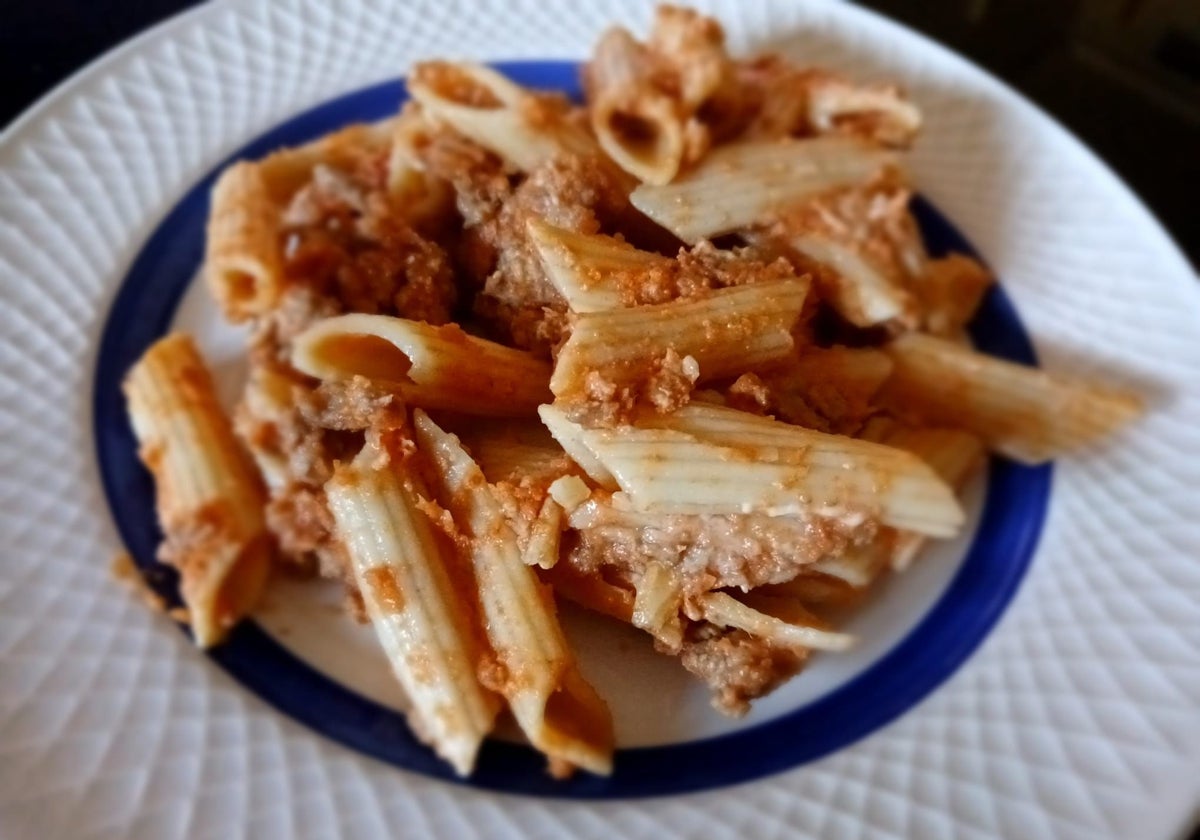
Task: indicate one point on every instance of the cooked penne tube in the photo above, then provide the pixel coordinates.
(423, 623)
(724, 610)
(243, 261)
(953, 454)
(570, 437)
(724, 333)
(639, 125)
(860, 292)
(208, 496)
(558, 711)
(877, 111)
(1022, 412)
(497, 113)
(710, 459)
(433, 367)
(515, 450)
(588, 270)
(591, 592)
(746, 183)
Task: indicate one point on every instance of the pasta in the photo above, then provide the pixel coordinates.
(209, 498)
(677, 355)
(729, 331)
(483, 105)
(747, 183)
(535, 670)
(656, 107)
(1022, 412)
(402, 573)
(431, 366)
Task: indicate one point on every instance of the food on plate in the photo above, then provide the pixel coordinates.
(676, 354)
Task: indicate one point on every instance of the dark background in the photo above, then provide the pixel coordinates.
(1122, 74)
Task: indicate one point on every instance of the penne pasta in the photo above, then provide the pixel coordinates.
(209, 498)
(423, 623)
(723, 333)
(1022, 412)
(498, 114)
(640, 126)
(588, 270)
(754, 389)
(744, 184)
(536, 672)
(433, 367)
(709, 459)
(243, 265)
(953, 454)
(860, 292)
(879, 112)
(243, 260)
(591, 592)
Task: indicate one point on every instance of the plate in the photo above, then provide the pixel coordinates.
(1074, 717)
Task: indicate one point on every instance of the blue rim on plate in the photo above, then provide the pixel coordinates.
(980, 590)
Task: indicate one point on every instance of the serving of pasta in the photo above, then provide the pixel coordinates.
(676, 354)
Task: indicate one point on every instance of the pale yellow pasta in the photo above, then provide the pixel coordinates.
(587, 269)
(243, 265)
(724, 610)
(747, 183)
(556, 708)
(423, 623)
(433, 367)
(243, 262)
(879, 111)
(571, 437)
(953, 454)
(497, 113)
(861, 293)
(1022, 412)
(208, 496)
(724, 333)
(709, 459)
(638, 125)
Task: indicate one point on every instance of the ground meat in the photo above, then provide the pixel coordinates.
(707, 551)
(695, 271)
(572, 192)
(737, 666)
(347, 248)
(349, 405)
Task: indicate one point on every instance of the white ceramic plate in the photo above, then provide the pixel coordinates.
(1075, 717)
